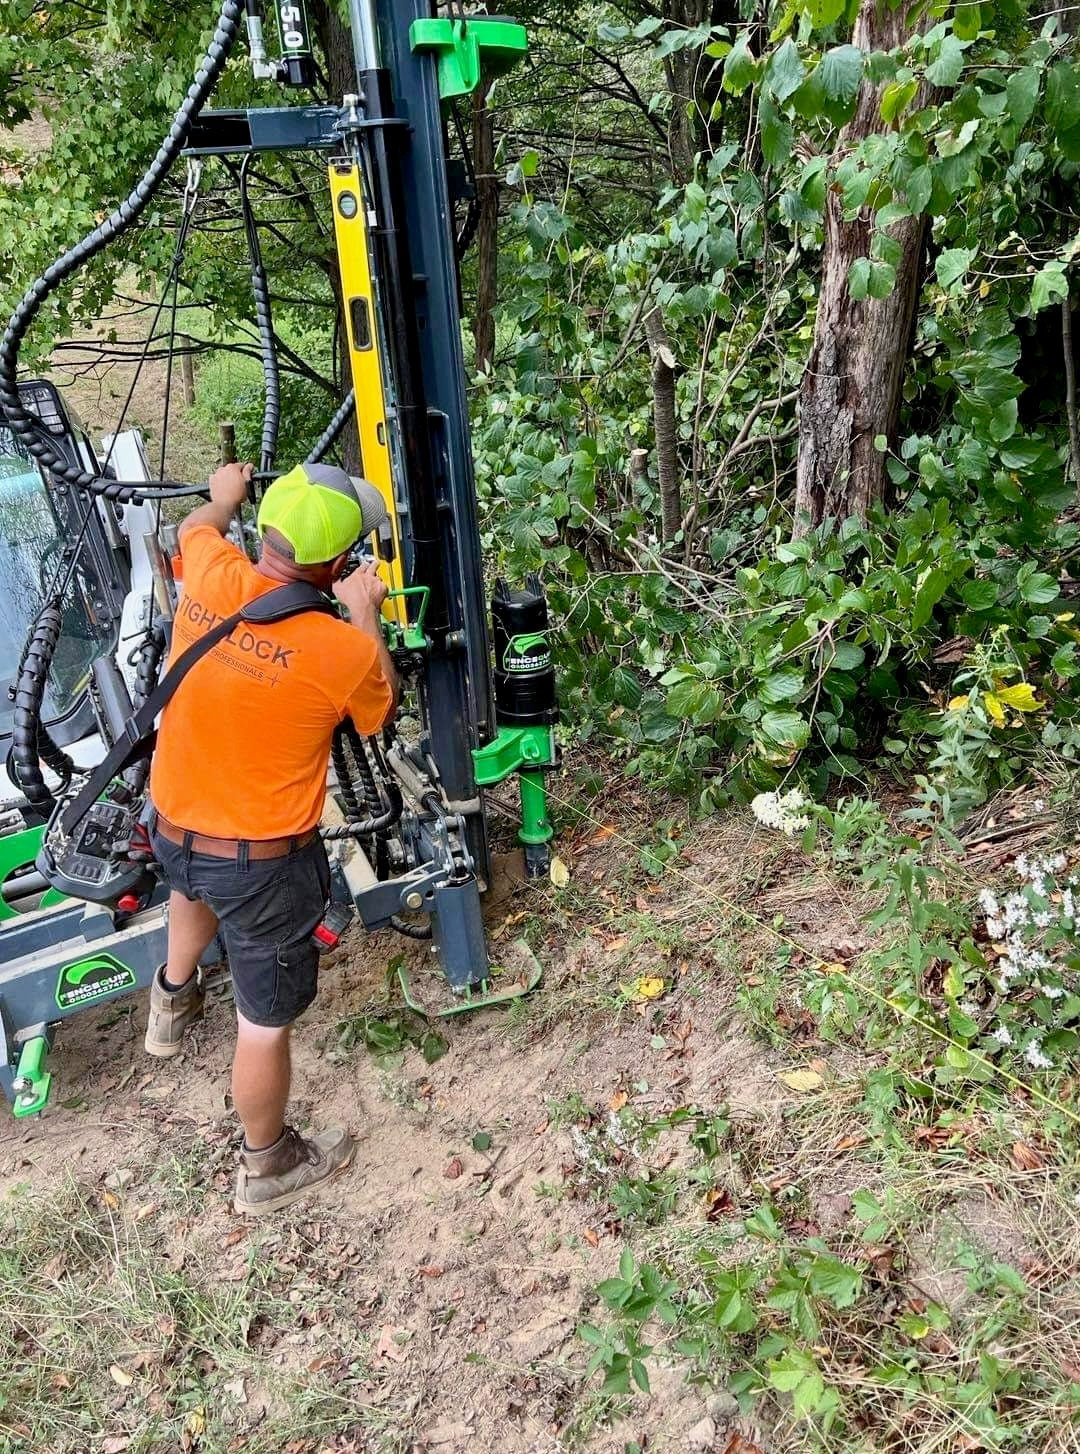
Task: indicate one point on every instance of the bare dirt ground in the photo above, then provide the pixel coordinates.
(465, 1273)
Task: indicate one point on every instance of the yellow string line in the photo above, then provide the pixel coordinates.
(722, 902)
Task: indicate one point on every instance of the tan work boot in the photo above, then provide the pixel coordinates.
(171, 1014)
(283, 1173)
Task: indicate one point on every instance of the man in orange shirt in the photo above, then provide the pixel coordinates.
(238, 782)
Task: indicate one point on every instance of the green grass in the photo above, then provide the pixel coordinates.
(109, 1342)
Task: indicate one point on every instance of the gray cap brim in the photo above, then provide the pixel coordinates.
(372, 505)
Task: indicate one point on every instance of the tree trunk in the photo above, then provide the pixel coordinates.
(663, 388)
(851, 391)
(487, 230)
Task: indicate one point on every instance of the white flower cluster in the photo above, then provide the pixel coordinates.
(1017, 925)
(781, 811)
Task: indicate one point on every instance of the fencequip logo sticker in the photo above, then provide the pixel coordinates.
(92, 979)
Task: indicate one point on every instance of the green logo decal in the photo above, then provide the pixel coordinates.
(528, 652)
(92, 979)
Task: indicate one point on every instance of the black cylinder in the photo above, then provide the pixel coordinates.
(524, 673)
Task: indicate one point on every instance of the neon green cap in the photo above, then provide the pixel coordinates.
(321, 511)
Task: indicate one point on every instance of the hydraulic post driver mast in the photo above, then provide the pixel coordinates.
(414, 842)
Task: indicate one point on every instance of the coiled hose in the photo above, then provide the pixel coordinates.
(330, 434)
(351, 763)
(148, 666)
(22, 423)
(30, 741)
(260, 289)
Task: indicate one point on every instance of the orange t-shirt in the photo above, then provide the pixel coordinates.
(243, 747)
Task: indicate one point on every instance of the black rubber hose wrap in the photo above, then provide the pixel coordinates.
(22, 423)
(27, 733)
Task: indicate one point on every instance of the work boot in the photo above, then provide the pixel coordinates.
(172, 1013)
(283, 1173)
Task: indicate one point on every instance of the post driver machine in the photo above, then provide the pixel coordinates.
(412, 849)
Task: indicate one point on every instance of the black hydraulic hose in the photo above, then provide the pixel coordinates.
(147, 670)
(366, 827)
(329, 437)
(260, 289)
(346, 784)
(410, 931)
(19, 419)
(27, 731)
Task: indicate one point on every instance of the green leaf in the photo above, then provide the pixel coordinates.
(776, 135)
(882, 279)
(626, 688)
(482, 1141)
(979, 595)
(1022, 92)
(785, 71)
(740, 67)
(933, 584)
(823, 12)
(841, 72)
(782, 686)
(967, 22)
(835, 1280)
(1039, 589)
(918, 189)
(1049, 285)
(786, 729)
(952, 264)
(1063, 97)
(859, 278)
(949, 66)
(896, 98)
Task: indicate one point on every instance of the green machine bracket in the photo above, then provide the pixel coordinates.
(467, 50)
(526, 751)
(32, 1080)
(411, 636)
(19, 850)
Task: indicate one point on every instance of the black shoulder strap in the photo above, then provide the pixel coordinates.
(137, 739)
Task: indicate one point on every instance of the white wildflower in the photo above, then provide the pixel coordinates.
(1068, 904)
(969, 1008)
(1039, 805)
(1020, 866)
(1043, 920)
(1052, 991)
(781, 811)
(1002, 1036)
(1033, 1054)
(995, 928)
(1055, 864)
(988, 904)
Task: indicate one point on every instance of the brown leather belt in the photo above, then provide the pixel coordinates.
(257, 848)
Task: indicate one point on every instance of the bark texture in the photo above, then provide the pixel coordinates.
(851, 390)
(663, 391)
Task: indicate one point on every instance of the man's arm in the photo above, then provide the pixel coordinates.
(363, 593)
(228, 491)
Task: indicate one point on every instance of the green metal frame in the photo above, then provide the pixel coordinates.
(482, 996)
(32, 1080)
(526, 751)
(410, 636)
(19, 850)
(467, 50)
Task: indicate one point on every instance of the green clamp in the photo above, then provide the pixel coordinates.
(32, 1081)
(514, 749)
(467, 50)
(409, 637)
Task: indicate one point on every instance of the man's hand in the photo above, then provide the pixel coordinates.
(229, 485)
(362, 593)
(363, 590)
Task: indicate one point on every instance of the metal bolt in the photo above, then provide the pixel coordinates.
(20, 1085)
(414, 899)
(27, 1098)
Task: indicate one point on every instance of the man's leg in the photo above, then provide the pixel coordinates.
(192, 925)
(260, 1081)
